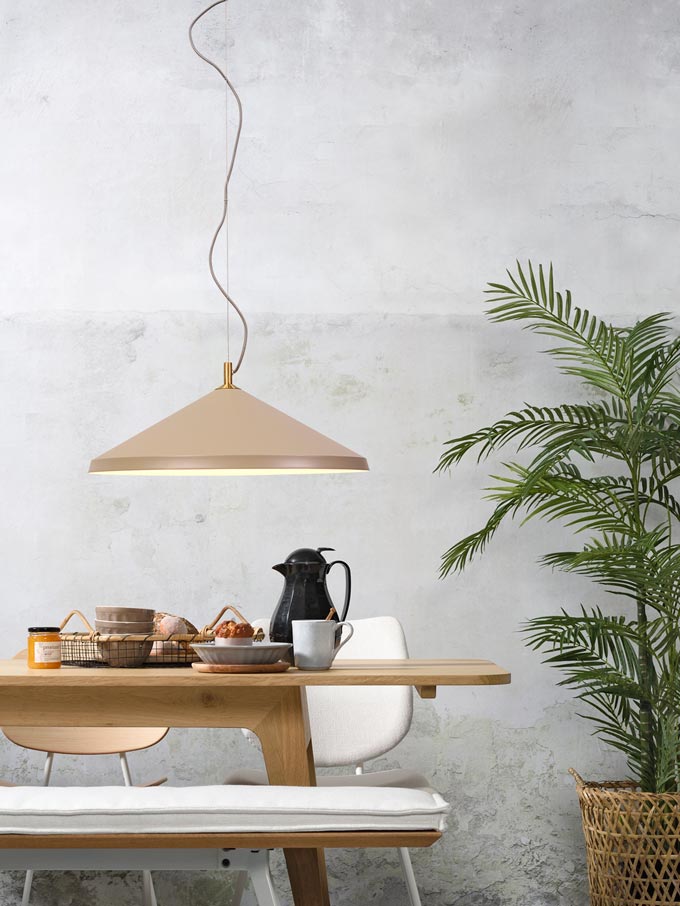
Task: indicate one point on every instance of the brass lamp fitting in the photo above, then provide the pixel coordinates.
(228, 374)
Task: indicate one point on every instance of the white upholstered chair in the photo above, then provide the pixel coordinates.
(353, 724)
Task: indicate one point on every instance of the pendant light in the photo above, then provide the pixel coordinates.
(228, 431)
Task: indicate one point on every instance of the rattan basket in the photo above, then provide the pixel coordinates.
(632, 843)
(95, 649)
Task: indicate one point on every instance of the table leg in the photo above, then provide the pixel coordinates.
(287, 749)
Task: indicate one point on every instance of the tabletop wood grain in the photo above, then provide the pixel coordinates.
(412, 672)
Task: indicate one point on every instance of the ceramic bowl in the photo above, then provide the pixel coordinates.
(111, 614)
(258, 653)
(110, 627)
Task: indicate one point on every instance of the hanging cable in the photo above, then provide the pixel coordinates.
(231, 158)
(227, 254)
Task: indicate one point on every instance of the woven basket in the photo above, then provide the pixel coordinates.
(94, 649)
(632, 844)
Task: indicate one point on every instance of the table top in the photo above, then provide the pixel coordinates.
(430, 673)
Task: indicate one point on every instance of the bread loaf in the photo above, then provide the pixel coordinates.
(171, 624)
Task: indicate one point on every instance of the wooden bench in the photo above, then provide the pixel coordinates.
(205, 828)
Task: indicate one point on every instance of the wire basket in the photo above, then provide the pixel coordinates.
(95, 649)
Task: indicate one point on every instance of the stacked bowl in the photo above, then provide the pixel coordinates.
(124, 621)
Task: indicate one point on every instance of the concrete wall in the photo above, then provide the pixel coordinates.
(395, 157)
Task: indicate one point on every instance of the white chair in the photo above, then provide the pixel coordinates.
(351, 725)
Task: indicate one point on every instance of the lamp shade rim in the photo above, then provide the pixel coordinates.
(226, 463)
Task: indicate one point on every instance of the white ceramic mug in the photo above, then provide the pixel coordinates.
(314, 642)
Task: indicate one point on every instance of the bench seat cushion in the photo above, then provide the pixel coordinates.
(216, 809)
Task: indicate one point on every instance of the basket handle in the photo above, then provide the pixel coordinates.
(83, 618)
(211, 626)
(577, 777)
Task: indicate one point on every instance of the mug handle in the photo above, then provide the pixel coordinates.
(344, 641)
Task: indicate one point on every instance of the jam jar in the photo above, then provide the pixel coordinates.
(44, 647)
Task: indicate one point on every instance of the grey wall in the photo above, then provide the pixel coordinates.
(396, 156)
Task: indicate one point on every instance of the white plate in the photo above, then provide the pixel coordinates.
(257, 653)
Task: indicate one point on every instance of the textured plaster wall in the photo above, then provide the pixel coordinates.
(395, 157)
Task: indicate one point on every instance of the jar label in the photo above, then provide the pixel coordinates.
(47, 652)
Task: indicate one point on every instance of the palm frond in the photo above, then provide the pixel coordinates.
(584, 504)
(646, 340)
(459, 555)
(624, 564)
(531, 426)
(595, 350)
(622, 734)
(597, 653)
(658, 373)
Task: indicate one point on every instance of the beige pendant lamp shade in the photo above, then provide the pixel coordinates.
(227, 432)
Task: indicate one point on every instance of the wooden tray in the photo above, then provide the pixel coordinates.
(278, 667)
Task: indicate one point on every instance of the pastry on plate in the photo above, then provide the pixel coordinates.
(229, 632)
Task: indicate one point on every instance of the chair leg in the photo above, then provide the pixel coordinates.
(27, 888)
(147, 881)
(125, 768)
(239, 888)
(149, 895)
(47, 773)
(263, 885)
(409, 877)
(28, 882)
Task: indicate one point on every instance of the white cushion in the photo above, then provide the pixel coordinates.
(393, 778)
(216, 809)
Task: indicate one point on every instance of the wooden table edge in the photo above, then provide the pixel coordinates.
(427, 674)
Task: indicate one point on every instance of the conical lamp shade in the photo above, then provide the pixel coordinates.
(228, 432)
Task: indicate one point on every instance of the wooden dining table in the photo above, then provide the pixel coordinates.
(272, 705)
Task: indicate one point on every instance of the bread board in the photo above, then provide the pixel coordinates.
(278, 667)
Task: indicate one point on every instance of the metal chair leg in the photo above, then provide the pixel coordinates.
(147, 887)
(406, 866)
(27, 888)
(28, 882)
(147, 882)
(261, 880)
(125, 768)
(239, 888)
(409, 877)
(47, 773)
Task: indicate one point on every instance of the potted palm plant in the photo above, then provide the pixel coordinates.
(606, 468)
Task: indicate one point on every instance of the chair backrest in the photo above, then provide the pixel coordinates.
(83, 740)
(352, 724)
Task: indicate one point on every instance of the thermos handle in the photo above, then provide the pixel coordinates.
(348, 587)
